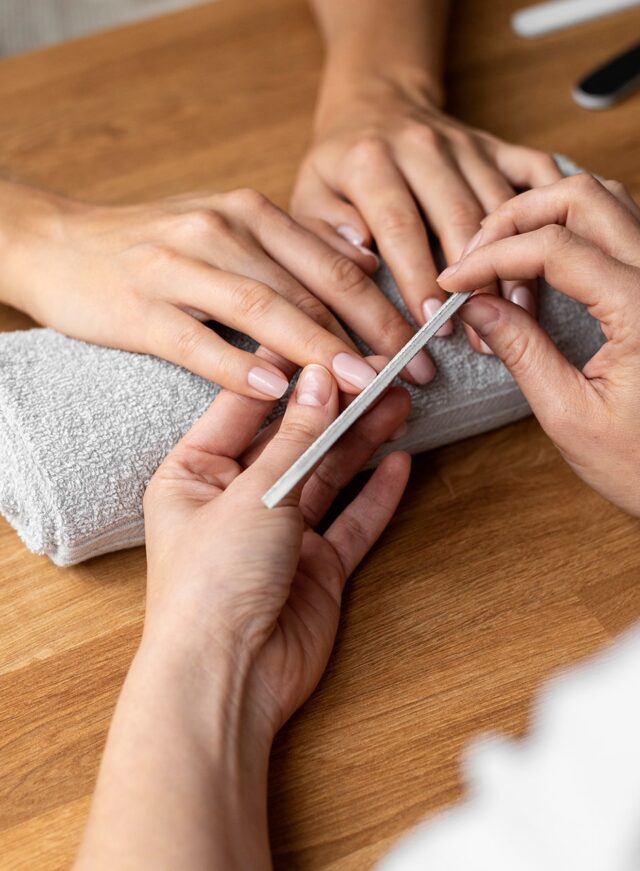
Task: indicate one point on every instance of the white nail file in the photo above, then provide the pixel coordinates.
(363, 401)
(558, 14)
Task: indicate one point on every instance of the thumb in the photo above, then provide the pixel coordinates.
(552, 386)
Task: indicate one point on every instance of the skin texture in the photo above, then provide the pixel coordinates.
(584, 238)
(385, 156)
(236, 637)
(242, 610)
(143, 277)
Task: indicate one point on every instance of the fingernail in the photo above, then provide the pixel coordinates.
(267, 382)
(368, 253)
(314, 386)
(522, 296)
(485, 348)
(480, 314)
(422, 368)
(350, 234)
(449, 271)
(429, 308)
(472, 244)
(402, 430)
(353, 370)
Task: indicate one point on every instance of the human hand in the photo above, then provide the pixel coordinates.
(142, 277)
(230, 580)
(383, 154)
(583, 237)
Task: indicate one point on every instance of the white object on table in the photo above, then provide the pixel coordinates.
(558, 14)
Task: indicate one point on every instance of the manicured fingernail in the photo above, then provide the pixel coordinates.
(429, 309)
(472, 244)
(522, 296)
(314, 386)
(402, 430)
(480, 314)
(267, 382)
(485, 348)
(422, 368)
(449, 271)
(353, 370)
(368, 253)
(350, 234)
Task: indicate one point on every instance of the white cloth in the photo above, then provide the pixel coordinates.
(566, 797)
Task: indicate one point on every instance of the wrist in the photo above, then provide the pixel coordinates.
(28, 217)
(360, 86)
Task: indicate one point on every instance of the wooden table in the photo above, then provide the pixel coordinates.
(500, 566)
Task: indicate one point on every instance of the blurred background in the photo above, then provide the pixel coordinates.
(30, 24)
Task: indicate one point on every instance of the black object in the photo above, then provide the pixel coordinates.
(611, 82)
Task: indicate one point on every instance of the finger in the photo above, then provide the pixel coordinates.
(312, 197)
(312, 407)
(580, 203)
(346, 289)
(450, 205)
(622, 194)
(492, 190)
(568, 262)
(259, 311)
(524, 167)
(181, 339)
(352, 452)
(553, 387)
(339, 239)
(360, 525)
(377, 187)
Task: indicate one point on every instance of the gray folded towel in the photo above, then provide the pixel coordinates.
(83, 428)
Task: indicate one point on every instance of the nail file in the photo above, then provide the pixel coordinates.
(556, 15)
(363, 401)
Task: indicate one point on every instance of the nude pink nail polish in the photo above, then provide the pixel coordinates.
(353, 370)
(267, 382)
(313, 387)
(429, 308)
(422, 368)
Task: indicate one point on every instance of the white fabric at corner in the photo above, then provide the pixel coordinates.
(566, 797)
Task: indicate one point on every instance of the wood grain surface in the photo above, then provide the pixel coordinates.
(500, 566)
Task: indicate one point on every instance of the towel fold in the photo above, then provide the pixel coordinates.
(83, 428)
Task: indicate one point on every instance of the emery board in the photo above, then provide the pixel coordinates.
(363, 401)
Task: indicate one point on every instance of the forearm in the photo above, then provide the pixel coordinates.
(368, 39)
(183, 781)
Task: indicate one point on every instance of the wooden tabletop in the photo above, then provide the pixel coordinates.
(500, 565)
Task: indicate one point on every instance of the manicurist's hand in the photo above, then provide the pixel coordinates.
(584, 238)
(386, 162)
(242, 611)
(143, 277)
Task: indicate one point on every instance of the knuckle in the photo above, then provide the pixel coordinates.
(425, 137)
(316, 310)
(369, 149)
(398, 220)
(345, 275)
(517, 351)
(187, 342)
(556, 236)
(297, 431)
(584, 184)
(464, 214)
(253, 299)
(393, 331)
(204, 223)
(248, 199)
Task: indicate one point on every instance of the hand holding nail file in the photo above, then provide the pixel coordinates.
(315, 452)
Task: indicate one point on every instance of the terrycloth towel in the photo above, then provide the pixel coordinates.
(83, 428)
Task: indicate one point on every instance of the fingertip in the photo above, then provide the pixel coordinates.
(315, 387)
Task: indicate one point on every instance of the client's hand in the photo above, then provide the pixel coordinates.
(584, 238)
(385, 158)
(142, 278)
(242, 611)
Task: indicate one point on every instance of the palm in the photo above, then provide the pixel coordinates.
(294, 657)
